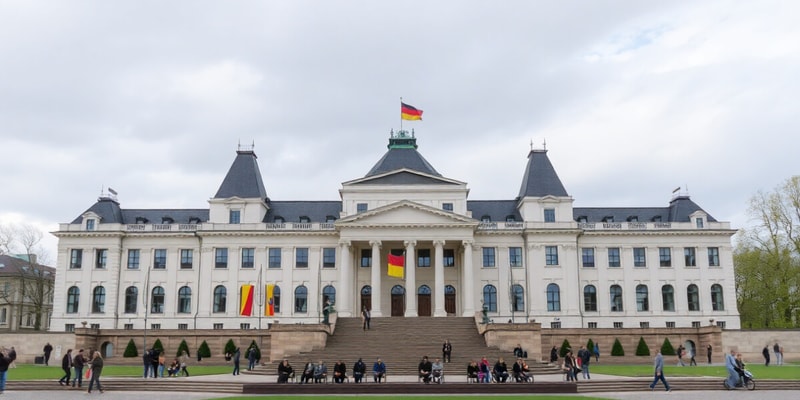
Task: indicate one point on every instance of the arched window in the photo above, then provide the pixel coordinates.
(517, 298)
(589, 298)
(693, 296)
(366, 290)
(185, 299)
(99, 300)
(449, 289)
(300, 299)
(717, 301)
(131, 298)
(668, 297)
(220, 299)
(490, 298)
(615, 294)
(276, 298)
(553, 297)
(642, 300)
(424, 289)
(157, 300)
(397, 289)
(329, 294)
(73, 299)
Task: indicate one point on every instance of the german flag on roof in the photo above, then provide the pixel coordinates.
(410, 113)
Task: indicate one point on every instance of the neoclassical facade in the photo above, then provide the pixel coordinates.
(534, 257)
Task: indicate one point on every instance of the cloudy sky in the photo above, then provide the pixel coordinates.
(633, 98)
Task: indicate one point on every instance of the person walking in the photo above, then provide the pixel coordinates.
(692, 353)
(97, 368)
(48, 348)
(447, 349)
(147, 361)
(78, 362)
(154, 356)
(708, 353)
(237, 354)
(66, 365)
(586, 358)
(596, 352)
(658, 366)
(4, 362)
(365, 317)
(778, 355)
(251, 359)
(184, 361)
(553, 354)
(765, 353)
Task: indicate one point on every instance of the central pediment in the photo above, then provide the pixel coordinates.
(406, 213)
(403, 176)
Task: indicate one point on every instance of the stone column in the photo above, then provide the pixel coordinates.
(438, 279)
(344, 306)
(411, 279)
(376, 279)
(468, 291)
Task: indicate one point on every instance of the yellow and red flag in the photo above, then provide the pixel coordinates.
(269, 310)
(396, 264)
(409, 113)
(246, 308)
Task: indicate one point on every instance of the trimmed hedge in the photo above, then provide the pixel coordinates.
(642, 349)
(564, 348)
(667, 349)
(617, 349)
(204, 350)
(130, 350)
(230, 347)
(183, 347)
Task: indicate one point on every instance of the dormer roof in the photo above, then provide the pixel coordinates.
(540, 177)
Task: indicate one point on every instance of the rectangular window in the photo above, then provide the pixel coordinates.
(488, 257)
(447, 207)
(587, 256)
(713, 256)
(186, 258)
(234, 217)
(248, 257)
(618, 325)
(670, 324)
(94, 326)
(423, 258)
(555, 325)
(217, 327)
(128, 327)
(89, 224)
(221, 258)
(664, 256)
(515, 257)
(183, 327)
(366, 258)
(301, 257)
(160, 259)
(592, 325)
(698, 222)
(329, 257)
(449, 258)
(551, 255)
(101, 257)
(69, 327)
(361, 207)
(721, 324)
(4, 316)
(549, 215)
(133, 258)
(613, 257)
(155, 327)
(275, 257)
(695, 324)
(644, 325)
(244, 326)
(639, 257)
(689, 258)
(75, 258)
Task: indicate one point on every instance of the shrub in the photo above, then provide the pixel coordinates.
(130, 350)
(204, 351)
(564, 348)
(590, 346)
(158, 346)
(617, 349)
(183, 347)
(642, 349)
(253, 345)
(667, 349)
(230, 347)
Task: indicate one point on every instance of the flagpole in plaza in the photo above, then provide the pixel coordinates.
(260, 303)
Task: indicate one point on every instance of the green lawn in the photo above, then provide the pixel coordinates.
(511, 397)
(759, 371)
(29, 371)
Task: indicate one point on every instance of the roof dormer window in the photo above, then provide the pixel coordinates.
(608, 218)
(330, 219)
(141, 220)
(633, 218)
(167, 220)
(486, 218)
(279, 220)
(194, 220)
(656, 218)
(90, 224)
(582, 219)
(510, 218)
(304, 220)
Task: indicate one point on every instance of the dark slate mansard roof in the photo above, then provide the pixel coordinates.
(110, 213)
(243, 179)
(679, 210)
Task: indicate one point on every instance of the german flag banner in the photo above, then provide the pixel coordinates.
(396, 264)
(269, 310)
(409, 113)
(246, 308)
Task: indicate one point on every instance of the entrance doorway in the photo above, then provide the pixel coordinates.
(424, 301)
(398, 301)
(450, 300)
(366, 298)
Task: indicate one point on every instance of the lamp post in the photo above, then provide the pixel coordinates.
(144, 303)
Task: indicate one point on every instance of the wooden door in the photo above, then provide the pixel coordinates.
(450, 303)
(398, 305)
(424, 305)
(366, 301)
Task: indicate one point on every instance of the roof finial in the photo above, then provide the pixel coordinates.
(544, 144)
(531, 144)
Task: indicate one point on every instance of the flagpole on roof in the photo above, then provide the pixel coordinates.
(401, 113)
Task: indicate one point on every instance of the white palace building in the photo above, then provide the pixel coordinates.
(534, 257)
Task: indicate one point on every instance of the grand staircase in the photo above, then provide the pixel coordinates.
(401, 343)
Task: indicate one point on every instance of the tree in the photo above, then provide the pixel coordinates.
(230, 347)
(642, 349)
(158, 346)
(617, 349)
(183, 347)
(666, 348)
(204, 351)
(32, 293)
(130, 350)
(767, 259)
(590, 345)
(254, 346)
(564, 348)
